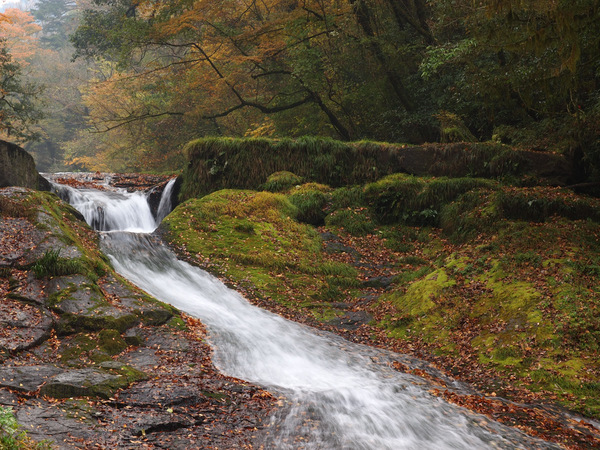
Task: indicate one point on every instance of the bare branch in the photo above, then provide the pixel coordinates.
(262, 108)
(127, 120)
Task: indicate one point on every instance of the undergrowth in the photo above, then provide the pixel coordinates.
(13, 437)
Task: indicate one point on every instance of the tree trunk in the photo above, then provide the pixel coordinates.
(363, 17)
(412, 12)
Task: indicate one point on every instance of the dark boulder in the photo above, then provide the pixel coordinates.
(17, 168)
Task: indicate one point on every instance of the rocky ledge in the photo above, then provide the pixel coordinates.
(89, 361)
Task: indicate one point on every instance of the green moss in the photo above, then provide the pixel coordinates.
(156, 316)
(111, 342)
(407, 276)
(412, 260)
(310, 203)
(281, 181)
(74, 323)
(225, 163)
(81, 344)
(421, 296)
(244, 227)
(278, 245)
(177, 323)
(514, 300)
(507, 355)
(585, 393)
(356, 221)
(127, 373)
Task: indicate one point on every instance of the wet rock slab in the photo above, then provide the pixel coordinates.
(165, 340)
(17, 237)
(142, 358)
(7, 398)
(82, 382)
(27, 378)
(32, 289)
(23, 326)
(146, 394)
(351, 320)
(60, 424)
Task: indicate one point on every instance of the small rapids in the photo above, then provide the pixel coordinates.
(339, 395)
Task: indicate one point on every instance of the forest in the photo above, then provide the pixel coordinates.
(123, 85)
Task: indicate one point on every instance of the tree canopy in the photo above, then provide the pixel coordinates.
(164, 72)
(18, 97)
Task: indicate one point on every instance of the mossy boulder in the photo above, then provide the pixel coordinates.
(356, 221)
(281, 181)
(111, 342)
(253, 238)
(311, 200)
(84, 383)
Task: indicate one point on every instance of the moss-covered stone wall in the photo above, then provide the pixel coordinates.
(222, 163)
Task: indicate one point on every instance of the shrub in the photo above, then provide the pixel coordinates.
(539, 204)
(12, 437)
(416, 201)
(311, 206)
(390, 198)
(471, 214)
(281, 181)
(347, 197)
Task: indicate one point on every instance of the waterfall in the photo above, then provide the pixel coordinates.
(339, 395)
(116, 209)
(165, 205)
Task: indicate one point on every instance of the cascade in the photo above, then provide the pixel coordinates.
(339, 395)
(165, 205)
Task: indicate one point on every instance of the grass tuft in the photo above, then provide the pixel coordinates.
(51, 264)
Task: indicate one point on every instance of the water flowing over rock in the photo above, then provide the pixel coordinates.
(336, 395)
(73, 330)
(158, 382)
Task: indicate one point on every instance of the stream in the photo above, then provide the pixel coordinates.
(337, 394)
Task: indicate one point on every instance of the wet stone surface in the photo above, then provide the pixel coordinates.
(352, 320)
(23, 325)
(81, 383)
(27, 378)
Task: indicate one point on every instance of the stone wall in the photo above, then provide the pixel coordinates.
(224, 163)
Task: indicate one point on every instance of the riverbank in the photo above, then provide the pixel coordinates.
(499, 292)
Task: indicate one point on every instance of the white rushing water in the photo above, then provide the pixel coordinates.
(165, 205)
(340, 395)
